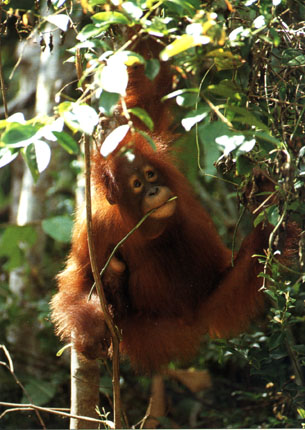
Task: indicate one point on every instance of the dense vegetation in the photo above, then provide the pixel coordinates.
(239, 104)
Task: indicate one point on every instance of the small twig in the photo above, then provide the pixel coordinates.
(10, 367)
(263, 203)
(56, 411)
(196, 108)
(127, 115)
(101, 294)
(218, 113)
(235, 232)
(271, 238)
(2, 84)
(122, 241)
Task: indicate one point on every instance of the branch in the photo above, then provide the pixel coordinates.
(10, 367)
(122, 241)
(29, 406)
(101, 294)
(2, 84)
(96, 275)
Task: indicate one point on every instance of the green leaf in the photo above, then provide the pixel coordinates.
(12, 244)
(301, 412)
(273, 215)
(226, 89)
(89, 31)
(67, 142)
(181, 92)
(143, 116)
(188, 6)
(148, 138)
(293, 57)
(182, 43)
(275, 35)
(130, 58)
(268, 138)
(29, 154)
(247, 117)
(17, 136)
(41, 392)
(271, 294)
(108, 18)
(108, 102)
(225, 59)
(208, 134)
(59, 228)
(152, 68)
(260, 218)
(187, 99)
(243, 165)
(97, 2)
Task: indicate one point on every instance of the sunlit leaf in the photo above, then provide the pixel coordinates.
(225, 60)
(7, 156)
(110, 18)
(184, 42)
(60, 20)
(114, 139)
(79, 117)
(259, 22)
(195, 117)
(43, 155)
(132, 9)
(47, 132)
(97, 2)
(229, 143)
(17, 117)
(114, 76)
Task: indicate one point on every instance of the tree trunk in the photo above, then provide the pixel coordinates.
(84, 391)
(84, 373)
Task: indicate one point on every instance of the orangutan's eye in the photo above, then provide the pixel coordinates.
(136, 183)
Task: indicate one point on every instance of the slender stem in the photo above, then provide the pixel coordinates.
(196, 108)
(101, 294)
(235, 232)
(120, 243)
(97, 279)
(2, 84)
